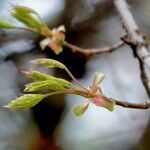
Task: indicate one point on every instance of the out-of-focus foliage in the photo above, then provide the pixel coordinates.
(54, 38)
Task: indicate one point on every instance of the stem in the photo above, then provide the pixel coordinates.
(91, 52)
(55, 93)
(125, 104)
(26, 29)
(75, 91)
(73, 78)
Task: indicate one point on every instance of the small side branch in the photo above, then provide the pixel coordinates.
(91, 52)
(125, 104)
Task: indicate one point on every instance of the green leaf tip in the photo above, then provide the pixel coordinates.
(80, 110)
(50, 63)
(27, 16)
(52, 85)
(98, 77)
(6, 25)
(23, 9)
(25, 101)
(38, 76)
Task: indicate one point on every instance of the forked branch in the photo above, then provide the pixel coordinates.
(135, 40)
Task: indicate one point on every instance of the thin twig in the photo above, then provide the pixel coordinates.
(135, 39)
(74, 79)
(125, 104)
(90, 52)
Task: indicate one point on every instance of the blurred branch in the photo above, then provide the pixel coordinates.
(144, 77)
(134, 39)
(102, 10)
(144, 143)
(90, 52)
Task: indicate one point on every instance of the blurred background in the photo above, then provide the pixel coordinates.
(50, 125)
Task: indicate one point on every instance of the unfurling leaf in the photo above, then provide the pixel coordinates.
(52, 43)
(57, 40)
(38, 76)
(50, 63)
(6, 25)
(31, 19)
(46, 85)
(103, 101)
(28, 20)
(98, 77)
(27, 16)
(61, 28)
(23, 9)
(79, 110)
(44, 43)
(58, 33)
(55, 45)
(25, 101)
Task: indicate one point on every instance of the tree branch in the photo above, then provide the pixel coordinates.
(132, 29)
(90, 52)
(144, 78)
(125, 104)
(135, 39)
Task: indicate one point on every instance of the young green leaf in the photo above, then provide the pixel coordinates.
(28, 20)
(50, 63)
(6, 25)
(45, 85)
(57, 40)
(23, 9)
(31, 19)
(38, 76)
(79, 110)
(25, 101)
(27, 16)
(98, 77)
